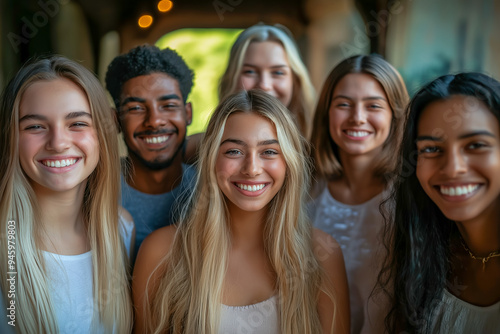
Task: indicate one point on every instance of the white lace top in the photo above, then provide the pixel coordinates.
(261, 318)
(357, 228)
(456, 316)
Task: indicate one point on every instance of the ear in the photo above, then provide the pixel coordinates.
(189, 113)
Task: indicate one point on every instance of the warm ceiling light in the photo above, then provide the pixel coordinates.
(165, 5)
(145, 21)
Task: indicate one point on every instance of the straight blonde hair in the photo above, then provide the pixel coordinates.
(35, 312)
(304, 94)
(188, 296)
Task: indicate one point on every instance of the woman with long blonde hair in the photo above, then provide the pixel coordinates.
(244, 257)
(63, 240)
(266, 57)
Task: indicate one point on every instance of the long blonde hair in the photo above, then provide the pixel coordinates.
(35, 312)
(304, 94)
(188, 296)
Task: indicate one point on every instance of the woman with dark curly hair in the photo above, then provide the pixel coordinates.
(444, 271)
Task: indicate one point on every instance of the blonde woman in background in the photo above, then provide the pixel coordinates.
(244, 258)
(59, 214)
(266, 57)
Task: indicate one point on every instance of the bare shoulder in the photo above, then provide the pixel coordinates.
(158, 243)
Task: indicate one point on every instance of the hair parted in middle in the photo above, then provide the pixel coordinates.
(100, 206)
(144, 60)
(325, 150)
(189, 295)
(418, 234)
(304, 94)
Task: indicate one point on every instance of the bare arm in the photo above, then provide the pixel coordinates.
(330, 257)
(154, 248)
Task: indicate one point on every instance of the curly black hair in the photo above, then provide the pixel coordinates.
(144, 60)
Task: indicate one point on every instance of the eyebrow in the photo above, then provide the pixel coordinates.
(71, 115)
(363, 99)
(141, 100)
(274, 66)
(242, 143)
(464, 136)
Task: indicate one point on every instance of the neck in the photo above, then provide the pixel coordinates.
(246, 227)
(63, 228)
(358, 183)
(482, 235)
(155, 182)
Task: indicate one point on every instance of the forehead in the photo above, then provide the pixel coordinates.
(53, 96)
(267, 52)
(249, 127)
(457, 115)
(359, 85)
(151, 85)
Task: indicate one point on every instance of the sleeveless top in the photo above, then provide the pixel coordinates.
(454, 315)
(358, 230)
(261, 318)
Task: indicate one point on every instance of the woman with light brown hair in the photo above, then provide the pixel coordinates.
(357, 130)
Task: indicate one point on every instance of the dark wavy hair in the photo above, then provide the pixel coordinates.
(144, 60)
(418, 235)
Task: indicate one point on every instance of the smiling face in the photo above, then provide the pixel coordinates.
(266, 67)
(360, 115)
(250, 166)
(153, 119)
(58, 144)
(458, 141)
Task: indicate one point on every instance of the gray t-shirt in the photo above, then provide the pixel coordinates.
(151, 212)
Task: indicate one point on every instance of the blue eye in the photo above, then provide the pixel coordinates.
(33, 127)
(233, 152)
(270, 152)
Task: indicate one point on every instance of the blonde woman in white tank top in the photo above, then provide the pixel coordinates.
(244, 258)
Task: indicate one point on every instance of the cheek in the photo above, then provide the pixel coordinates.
(277, 170)
(383, 122)
(246, 83)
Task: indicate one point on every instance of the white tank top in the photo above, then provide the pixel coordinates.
(261, 318)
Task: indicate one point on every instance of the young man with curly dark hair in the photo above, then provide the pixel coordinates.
(150, 88)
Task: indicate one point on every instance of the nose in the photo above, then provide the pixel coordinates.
(358, 114)
(58, 140)
(265, 82)
(454, 164)
(252, 165)
(154, 117)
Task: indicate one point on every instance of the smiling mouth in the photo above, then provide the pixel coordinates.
(459, 190)
(357, 133)
(59, 163)
(156, 140)
(251, 188)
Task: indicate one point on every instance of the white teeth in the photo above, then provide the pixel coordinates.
(458, 191)
(357, 133)
(156, 140)
(59, 163)
(251, 188)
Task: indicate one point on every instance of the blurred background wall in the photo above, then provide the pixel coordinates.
(422, 38)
